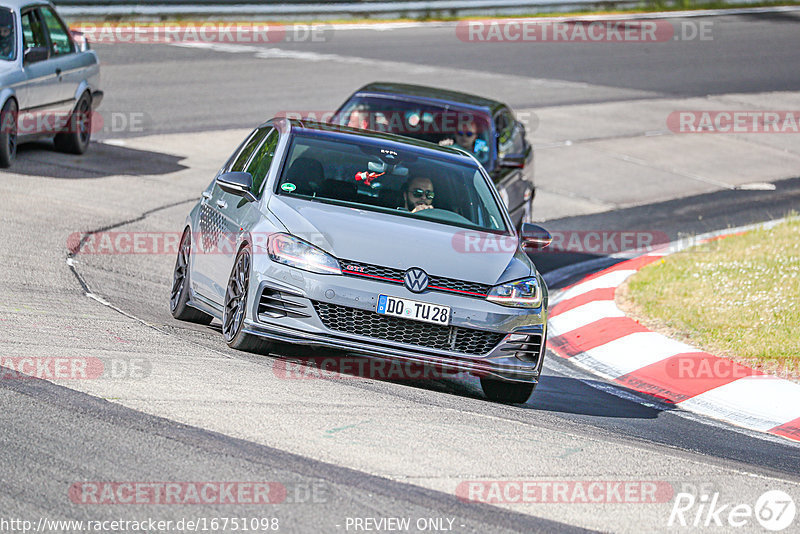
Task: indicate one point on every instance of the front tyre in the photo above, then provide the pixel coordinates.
(179, 297)
(235, 309)
(8, 134)
(507, 392)
(78, 132)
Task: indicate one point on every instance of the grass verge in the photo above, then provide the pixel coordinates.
(737, 297)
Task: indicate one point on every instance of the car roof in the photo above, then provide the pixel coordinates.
(339, 130)
(17, 5)
(422, 92)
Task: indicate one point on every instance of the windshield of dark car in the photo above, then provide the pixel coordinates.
(7, 36)
(354, 172)
(469, 130)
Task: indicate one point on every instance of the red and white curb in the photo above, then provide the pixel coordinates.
(587, 327)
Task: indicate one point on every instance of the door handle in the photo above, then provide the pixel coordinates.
(222, 204)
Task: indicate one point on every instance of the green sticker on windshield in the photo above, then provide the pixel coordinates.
(288, 187)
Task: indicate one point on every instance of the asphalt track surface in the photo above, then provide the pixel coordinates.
(579, 426)
(753, 53)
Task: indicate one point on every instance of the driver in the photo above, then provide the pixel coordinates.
(418, 194)
(6, 39)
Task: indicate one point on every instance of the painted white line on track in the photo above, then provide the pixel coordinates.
(636, 350)
(611, 279)
(583, 315)
(276, 53)
(768, 402)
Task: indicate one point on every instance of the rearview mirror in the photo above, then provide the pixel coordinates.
(237, 183)
(534, 237)
(34, 54)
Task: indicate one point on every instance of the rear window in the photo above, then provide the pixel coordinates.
(470, 130)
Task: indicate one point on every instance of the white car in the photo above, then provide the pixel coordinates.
(48, 80)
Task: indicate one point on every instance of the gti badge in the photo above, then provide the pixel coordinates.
(416, 280)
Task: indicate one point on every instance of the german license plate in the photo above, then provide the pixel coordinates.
(414, 310)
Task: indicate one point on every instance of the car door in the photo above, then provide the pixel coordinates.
(37, 93)
(219, 229)
(510, 174)
(65, 60)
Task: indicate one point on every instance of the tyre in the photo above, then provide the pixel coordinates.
(507, 392)
(181, 284)
(235, 308)
(8, 133)
(78, 132)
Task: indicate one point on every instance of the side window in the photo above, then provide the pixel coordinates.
(511, 138)
(59, 37)
(259, 165)
(250, 146)
(32, 31)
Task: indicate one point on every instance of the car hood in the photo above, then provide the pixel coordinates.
(401, 242)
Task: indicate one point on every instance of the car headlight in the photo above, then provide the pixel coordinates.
(292, 251)
(520, 294)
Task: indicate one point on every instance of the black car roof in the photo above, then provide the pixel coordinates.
(417, 92)
(325, 127)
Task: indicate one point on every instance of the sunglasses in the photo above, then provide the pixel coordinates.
(467, 134)
(417, 193)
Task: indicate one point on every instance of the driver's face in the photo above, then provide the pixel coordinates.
(421, 187)
(5, 31)
(466, 135)
(359, 119)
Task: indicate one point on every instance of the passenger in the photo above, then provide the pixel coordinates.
(466, 137)
(418, 194)
(6, 39)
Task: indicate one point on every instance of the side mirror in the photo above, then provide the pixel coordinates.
(534, 237)
(34, 54)
(517, 160)
(237, 183)
(80, 40)
(514, 161)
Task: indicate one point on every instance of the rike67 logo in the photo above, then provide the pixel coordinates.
(774, 510)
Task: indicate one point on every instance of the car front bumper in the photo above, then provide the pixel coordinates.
(291, 313)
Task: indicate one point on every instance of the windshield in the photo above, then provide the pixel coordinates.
(369, 176)
(7, 37)
(466, 129)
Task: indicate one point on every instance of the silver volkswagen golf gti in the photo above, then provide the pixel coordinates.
(366, 243)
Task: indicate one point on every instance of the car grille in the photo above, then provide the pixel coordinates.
(395, 276)
(399, 330)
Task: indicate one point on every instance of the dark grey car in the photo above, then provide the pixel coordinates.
(376, 244)
(482, 126)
